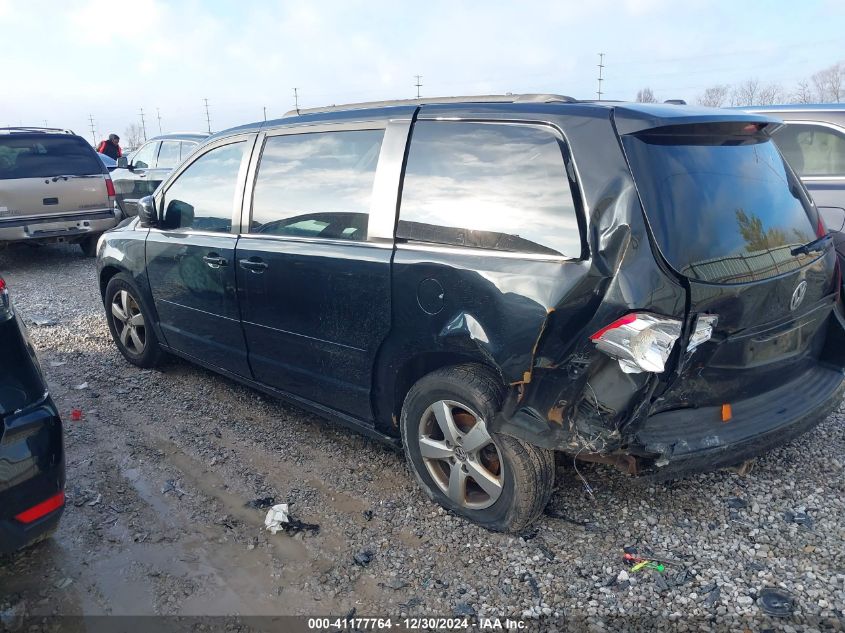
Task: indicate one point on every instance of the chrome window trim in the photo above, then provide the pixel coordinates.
(381, 194)
(315, 240)
(192, 232)
(482, 252)
(240, 183)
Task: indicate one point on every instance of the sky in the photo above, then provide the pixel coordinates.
(63, 62)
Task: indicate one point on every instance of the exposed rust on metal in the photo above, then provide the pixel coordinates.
(556, 413)
(628, 464)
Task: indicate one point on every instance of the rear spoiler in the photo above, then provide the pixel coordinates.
(631, 119)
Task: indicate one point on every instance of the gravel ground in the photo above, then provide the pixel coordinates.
(163, 464)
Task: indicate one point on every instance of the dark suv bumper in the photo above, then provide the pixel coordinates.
(693, 440)
(32, 470)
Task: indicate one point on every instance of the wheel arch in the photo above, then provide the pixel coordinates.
(413, 369)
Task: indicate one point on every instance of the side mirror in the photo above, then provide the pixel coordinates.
(147, 211)
(123, 162)
(833, 218)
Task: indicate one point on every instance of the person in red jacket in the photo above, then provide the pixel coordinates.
(111, 147)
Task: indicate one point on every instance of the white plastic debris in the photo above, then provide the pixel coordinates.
(276, 516)
(81, 386)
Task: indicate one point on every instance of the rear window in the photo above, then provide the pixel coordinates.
(723, 207)
(41, 156)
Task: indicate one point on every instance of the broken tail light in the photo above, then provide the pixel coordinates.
(640, 341)
(703, 330)
(6, 311)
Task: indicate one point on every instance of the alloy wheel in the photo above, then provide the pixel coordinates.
(129, 322)
(460, 455)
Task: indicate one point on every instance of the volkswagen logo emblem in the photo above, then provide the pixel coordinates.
(798, 295)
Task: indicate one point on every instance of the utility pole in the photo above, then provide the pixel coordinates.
(143, 125)
(265, 113)
(93, 134)
(158, 116)
(418, 85)
(207, 116)
(601, 68)
(296, 100)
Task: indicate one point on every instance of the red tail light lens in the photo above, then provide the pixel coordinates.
(639, 341)
(821, 229)
(110, 188)
(42, 509)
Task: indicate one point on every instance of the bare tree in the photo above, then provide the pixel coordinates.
(750, 93)
(715, 96)
(646, 95)
(746, 93)
(829, 83)
(804, 93)
(770, 94)
(133, 136)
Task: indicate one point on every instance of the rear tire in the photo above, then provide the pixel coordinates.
(89, 245)
(516, 477)
(130, 323)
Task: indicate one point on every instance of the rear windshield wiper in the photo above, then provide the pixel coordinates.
(817, 245)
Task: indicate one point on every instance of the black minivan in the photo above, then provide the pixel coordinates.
(487, 280)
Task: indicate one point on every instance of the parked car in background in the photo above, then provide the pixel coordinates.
(32, 461)
(487, 280)
(813, 142)
(139, 173)
(53, 188)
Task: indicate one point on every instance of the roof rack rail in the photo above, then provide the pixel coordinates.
(508, 98)
(31, 128)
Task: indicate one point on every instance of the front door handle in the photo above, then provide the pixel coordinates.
(253, 265)
(214, 260)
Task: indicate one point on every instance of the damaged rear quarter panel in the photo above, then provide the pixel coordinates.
(530, 319)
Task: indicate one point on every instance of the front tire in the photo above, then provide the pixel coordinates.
(495, 480)
(130, 323)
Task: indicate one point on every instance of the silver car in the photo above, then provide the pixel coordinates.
(53, 188)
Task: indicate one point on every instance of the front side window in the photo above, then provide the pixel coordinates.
(495, 186)
(168, 155)
(145, 157)
(316, 184)
(812, 150)
(203, 196)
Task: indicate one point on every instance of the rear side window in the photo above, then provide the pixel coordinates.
(812, 150)
(41, 156)
(502, 187)
(316, 184)
(203, 196)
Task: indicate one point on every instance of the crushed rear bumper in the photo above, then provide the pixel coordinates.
(684, 441)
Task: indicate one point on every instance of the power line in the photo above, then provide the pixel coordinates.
(296, 100)
(418, 85)
(143, 124)
(93, 133)
(158, 116)
(207, 116)
(601, 79)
